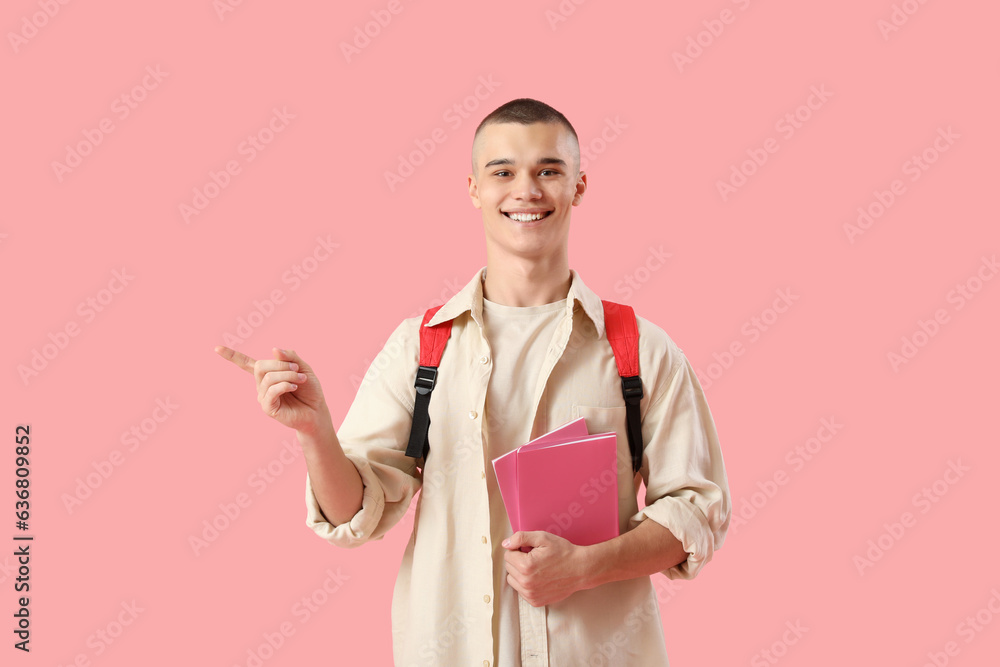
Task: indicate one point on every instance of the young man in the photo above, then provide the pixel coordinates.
(527, 353)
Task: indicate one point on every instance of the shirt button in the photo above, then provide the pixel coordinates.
(472, 414)
(486, 598)
(484, 539)
(486, 663)
(484, 359)
(484, 474)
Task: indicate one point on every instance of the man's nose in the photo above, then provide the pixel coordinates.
(525, 187)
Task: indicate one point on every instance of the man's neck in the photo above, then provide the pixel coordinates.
(527, 283)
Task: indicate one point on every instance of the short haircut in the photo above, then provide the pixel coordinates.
(525, 111)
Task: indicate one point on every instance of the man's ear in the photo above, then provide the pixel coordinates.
(581, 187)
(474, 192)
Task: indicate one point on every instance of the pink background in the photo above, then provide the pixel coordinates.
(671, 134)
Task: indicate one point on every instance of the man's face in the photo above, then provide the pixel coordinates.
(526, 180)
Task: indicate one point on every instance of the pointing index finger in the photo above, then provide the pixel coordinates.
(238, 358)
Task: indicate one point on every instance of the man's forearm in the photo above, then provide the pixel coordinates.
(335, 480)
(646, 549)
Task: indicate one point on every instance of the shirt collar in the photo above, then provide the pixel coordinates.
(470, 298)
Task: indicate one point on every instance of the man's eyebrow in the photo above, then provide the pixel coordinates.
(508, 161)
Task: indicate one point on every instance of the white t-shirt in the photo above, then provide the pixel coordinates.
(519, 338)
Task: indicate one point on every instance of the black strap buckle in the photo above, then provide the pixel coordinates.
(426, 378)
(632, 389)
(418, 446)
(632, 392)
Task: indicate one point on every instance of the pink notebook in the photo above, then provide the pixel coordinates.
(564, 482)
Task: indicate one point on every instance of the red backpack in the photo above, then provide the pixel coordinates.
(622, 332)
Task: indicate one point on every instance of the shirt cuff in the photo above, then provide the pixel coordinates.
(359, 529)
(689, 525)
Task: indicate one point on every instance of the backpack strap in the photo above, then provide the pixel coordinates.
(432, 342)
(623, 334)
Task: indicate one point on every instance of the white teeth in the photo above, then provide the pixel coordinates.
(523, 217)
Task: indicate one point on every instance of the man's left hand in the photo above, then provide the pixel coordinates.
(554, 569)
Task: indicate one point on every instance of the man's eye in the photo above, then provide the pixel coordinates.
(501, 172)
(551, 171)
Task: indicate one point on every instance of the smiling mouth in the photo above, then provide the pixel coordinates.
(526, 217)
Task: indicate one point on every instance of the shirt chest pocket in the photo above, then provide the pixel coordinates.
(607, 420)
(612, 420)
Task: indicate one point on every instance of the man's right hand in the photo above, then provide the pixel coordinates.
(287, 389)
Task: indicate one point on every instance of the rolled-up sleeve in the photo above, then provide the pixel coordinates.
(374, 436)
(686, 487)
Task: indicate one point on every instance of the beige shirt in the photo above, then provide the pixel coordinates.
(518, 338)
(443, 602)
